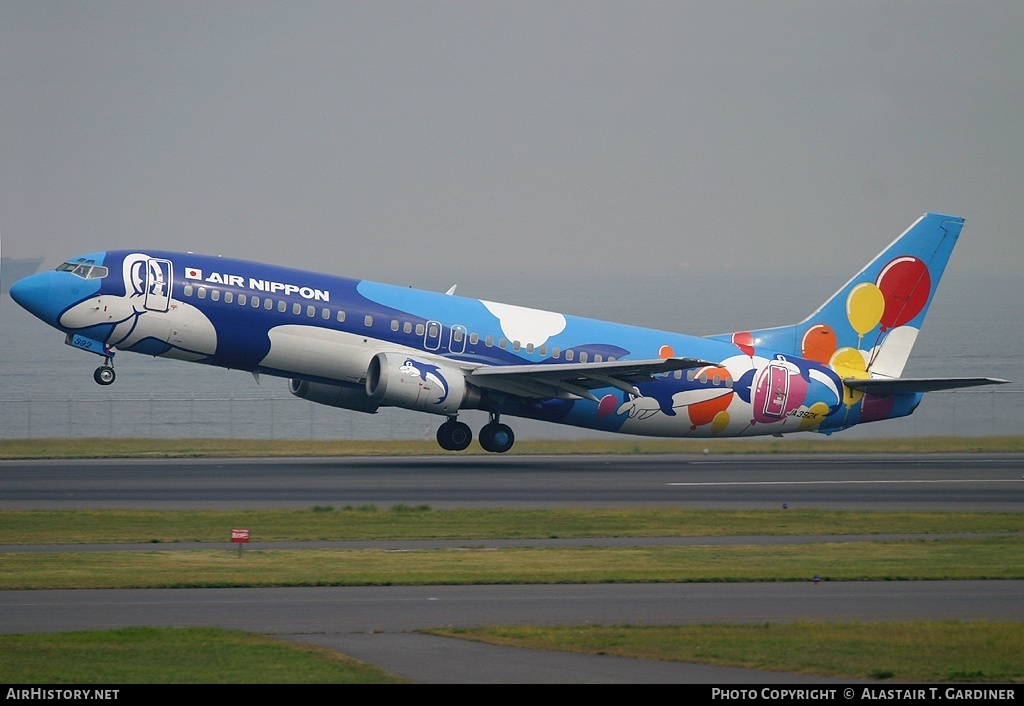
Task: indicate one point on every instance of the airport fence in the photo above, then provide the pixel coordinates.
(970, 412)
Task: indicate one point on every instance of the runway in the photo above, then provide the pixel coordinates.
(376, 624)
(860, 481)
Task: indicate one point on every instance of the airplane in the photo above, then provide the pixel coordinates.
(362, 345)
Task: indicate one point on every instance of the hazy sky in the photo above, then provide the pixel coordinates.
(414, 141)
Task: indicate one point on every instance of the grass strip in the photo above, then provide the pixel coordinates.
(175, 656)
(912, 652)
(422, 522)
(940, 559)
(240, 448)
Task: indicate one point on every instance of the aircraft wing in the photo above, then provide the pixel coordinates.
(892, 386)
(573, 380)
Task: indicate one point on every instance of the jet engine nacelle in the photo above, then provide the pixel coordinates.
(399, 380)
(333, 395)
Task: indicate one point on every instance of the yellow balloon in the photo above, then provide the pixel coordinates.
(864, 307)
(720, 422)
(849, 363)
(816, 415)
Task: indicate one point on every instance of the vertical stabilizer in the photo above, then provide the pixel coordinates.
(868, 328)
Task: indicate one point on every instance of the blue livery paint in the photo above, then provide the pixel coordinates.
(361, 345)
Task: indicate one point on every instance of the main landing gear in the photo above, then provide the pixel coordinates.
(495, 437)
(454, 435)
(104, 375)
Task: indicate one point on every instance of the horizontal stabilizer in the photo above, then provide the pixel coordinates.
(882, 386)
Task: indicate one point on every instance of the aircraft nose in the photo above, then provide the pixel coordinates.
(35, 293)
(32, 292)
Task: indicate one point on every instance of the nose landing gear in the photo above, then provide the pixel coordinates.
(104, 375)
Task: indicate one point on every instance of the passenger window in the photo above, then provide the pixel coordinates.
(516, 345)
(502, 344)
(202, 292)
(457, 335)
(556, 353)
(569, 354)
(255, 301)
(310, 311)
(474, 339)
(394, 324)
(187, 290)
(489, 341)
(282, 306)
(542, 351)
(229, 297)
(325, 313)
(597, 357)
(215, 295)
(420, 329)
(268, 303)
(407, 327)
(341, 317)
(241, 300)
(368, 320)
(529, 348)
(583, 357)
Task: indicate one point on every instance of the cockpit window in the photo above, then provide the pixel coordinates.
(83, 268)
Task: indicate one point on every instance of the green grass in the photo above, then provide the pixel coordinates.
(175, 656)
(187, 448)
(908, 652)
(968, 557)
(912, 652)
(423, 522)
(971, 558)
(927, 651)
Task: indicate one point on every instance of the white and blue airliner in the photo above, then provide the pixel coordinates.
(362, 345)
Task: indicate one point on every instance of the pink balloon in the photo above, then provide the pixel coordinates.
(876, 407)
(607, 405)
(779, 390)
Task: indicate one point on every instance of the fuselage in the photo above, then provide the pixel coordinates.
(325, 331)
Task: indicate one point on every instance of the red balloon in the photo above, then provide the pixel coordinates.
(744, 340)
(906, 285)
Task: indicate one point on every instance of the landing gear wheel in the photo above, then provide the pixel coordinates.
(496, 437)
(454, 436)
(104, 375)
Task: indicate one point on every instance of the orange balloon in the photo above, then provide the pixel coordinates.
(819, 343)
(702, 413)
